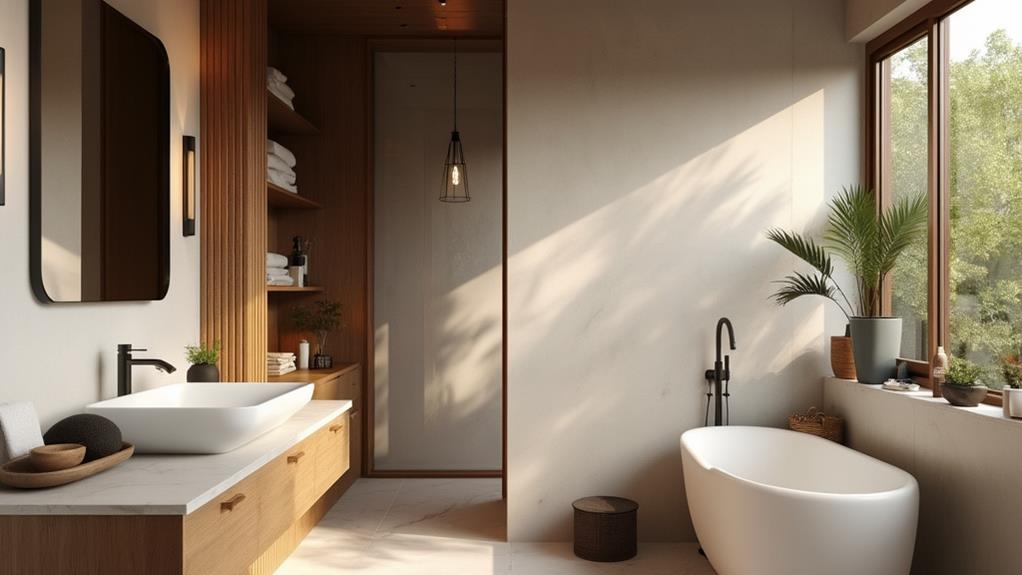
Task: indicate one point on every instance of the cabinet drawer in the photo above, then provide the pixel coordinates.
(287, 486)
(222, 536)
(331, 453)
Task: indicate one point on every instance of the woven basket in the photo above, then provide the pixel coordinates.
(817, 423)
(842, 359)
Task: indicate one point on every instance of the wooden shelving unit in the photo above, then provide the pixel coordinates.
(281, 118)
(294, 289)
(278, 197)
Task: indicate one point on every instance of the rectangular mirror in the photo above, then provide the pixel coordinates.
(99, 155)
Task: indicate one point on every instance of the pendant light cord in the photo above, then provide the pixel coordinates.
(455, 84)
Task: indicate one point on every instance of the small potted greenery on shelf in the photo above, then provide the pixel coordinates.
(962, 386)
(203, 358)
(1011, 369)
(321, 318)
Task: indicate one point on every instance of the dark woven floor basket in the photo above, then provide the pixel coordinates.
(605, 528)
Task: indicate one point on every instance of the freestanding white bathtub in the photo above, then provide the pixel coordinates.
(776, 502)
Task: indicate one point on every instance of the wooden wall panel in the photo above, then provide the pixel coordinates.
(233, 170)
(328, 74)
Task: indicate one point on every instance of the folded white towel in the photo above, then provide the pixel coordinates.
(279, 177)
(274, 162)
(275, 260)
(284, 354)
(276, 272)
(282, 96)
(276, 74)
(280, 281)
(281, 88)
(19, 428)
(281, 152)
(281, 371)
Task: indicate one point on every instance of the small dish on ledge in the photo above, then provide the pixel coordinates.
(57, 456)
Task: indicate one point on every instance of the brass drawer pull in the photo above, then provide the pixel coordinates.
(231, 503)
(294, 458)
(336, 428)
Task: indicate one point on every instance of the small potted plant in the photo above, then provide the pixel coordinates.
(1011, 369)
(203, 358)
(321, 318)
(962, 386)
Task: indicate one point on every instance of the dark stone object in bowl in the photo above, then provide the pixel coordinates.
(100, 436)
(963, 395)
(203, 372)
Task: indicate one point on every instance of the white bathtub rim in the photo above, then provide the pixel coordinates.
(909, 486)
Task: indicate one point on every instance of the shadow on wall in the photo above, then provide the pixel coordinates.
(640, 189)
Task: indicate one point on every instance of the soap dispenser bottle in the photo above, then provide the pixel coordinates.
(938, 369)
(297, 268)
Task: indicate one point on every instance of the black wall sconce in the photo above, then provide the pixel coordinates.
(188, 185)
(3, 128)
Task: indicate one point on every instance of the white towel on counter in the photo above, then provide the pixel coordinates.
(282, 371)
(275, 74)
(274, 162)
(281, 152)
(276, 272)
(19, 430)
(281, 178)
(283, 281)
(275, 260)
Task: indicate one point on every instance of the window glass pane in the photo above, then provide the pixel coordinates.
(985, 77)
(905, 174)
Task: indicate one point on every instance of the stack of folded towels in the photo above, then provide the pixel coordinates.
(280, 363)
(276, 82)
(276, 270)
(280, 166)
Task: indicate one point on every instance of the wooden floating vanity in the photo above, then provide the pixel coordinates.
(238, 512)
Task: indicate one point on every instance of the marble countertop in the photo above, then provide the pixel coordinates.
(169, 484)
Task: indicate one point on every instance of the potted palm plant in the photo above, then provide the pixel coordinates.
(870, 242)
(962, 386)
(203, 358)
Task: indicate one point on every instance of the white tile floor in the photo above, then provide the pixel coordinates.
(451, 527)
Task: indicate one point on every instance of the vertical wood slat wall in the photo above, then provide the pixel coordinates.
(232, 219)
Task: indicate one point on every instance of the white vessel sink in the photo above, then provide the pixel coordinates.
(202, 417)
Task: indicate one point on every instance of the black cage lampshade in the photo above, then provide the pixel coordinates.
(455, 188)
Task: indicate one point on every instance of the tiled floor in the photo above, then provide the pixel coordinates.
(451, 527)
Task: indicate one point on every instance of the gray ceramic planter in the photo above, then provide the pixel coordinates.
(963, 395)
(876, 344)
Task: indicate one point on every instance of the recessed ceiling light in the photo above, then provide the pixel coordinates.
(443, 2)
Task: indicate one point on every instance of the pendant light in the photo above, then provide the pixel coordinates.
(455, 181)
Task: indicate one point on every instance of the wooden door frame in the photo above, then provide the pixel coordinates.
(417, 44)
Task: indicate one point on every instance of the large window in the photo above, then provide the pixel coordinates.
(947, 120)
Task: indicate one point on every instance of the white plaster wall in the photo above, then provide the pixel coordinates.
(63, 356)
(649, 148)
(967, 465)
(867, 19)
(438, 266)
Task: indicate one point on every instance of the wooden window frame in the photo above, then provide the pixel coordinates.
(930, 22)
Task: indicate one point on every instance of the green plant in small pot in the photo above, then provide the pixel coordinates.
(962, 386)
(870, 243)
(1011, 368)
(321, 318)
(203, 358)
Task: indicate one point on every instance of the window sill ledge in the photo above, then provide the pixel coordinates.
(912, 399)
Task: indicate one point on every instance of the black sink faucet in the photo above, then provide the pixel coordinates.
(721, 371)
(125, 362)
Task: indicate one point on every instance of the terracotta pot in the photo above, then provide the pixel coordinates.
(842, 357)
(1012, 402)
(201, 372)
(963, 395)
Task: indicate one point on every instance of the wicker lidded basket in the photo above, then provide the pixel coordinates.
(815, 422)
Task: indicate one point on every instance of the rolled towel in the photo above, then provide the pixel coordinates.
(281, 178)
(19, 430)
(276, 272)
(281, 152)
(285, 281)
(274, 162)
(275, 260)
(281, 89)
(275, 74)
(289, 102)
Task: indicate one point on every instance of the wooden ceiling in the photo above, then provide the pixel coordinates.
(386, 18)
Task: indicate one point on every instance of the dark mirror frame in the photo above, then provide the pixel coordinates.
(35, 160)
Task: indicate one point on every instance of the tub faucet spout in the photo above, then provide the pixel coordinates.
(721, 371)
